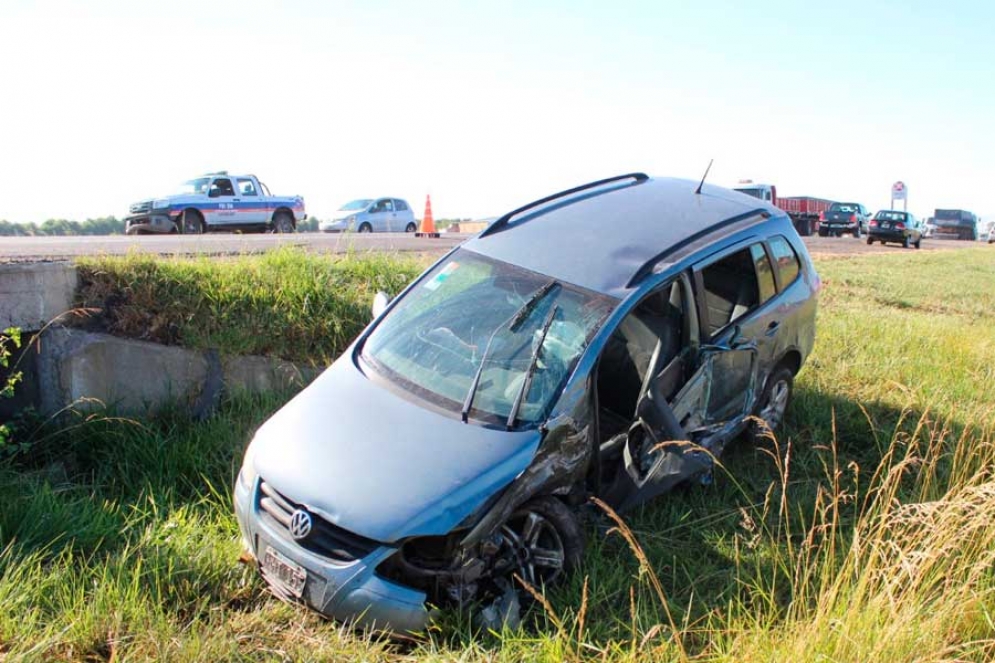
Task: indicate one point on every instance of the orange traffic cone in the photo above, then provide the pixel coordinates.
(427, 222)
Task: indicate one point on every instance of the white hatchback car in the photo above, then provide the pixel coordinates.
(367, 215)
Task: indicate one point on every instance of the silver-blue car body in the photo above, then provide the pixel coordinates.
(366, 215)
(541, 363)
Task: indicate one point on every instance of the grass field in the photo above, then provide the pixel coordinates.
(862, 534)
(284, 303)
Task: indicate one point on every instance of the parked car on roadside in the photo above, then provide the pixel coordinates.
(453, 444)
(897, 227)
(367, 215)
(217, 201)
(844, 219)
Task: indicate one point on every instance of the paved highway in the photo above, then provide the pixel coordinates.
(29, 249)
(26, 249)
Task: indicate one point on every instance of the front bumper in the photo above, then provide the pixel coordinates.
(350, 592)
(153, 222)
(337, 226)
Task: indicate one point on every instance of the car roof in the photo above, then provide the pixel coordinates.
(602, 238)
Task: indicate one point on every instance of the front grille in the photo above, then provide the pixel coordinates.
(326, 539)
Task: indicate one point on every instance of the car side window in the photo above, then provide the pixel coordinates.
(765, 272)
(786, 260)
(730, 290)
(222, 187)
(383, 206)
(400, 206)
(246, 187)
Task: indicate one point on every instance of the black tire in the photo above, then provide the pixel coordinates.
(870, 240)
(918, 243)
(543, 524)
(856, 232)
(905, 242)
(282, 223)
(410, 228)
(823, 233)
(773, 403)
(192, 223)
(365, 228)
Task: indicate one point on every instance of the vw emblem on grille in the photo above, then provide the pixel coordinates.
(300, 524)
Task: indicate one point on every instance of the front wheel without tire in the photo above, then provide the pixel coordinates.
(773, 402)
(366, 228)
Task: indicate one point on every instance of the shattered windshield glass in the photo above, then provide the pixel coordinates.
(472, 314)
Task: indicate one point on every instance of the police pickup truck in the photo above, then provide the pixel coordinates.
(217, 201)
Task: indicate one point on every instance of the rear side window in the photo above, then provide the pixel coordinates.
(786, 260)
(765, 272)
(400, 206)
(730, 290)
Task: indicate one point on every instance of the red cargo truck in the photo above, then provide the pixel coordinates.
(803, 210)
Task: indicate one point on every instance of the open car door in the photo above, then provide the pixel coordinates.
(675, 439)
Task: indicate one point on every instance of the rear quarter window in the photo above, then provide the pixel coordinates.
(785, 260)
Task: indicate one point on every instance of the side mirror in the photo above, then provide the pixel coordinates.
(380, 301)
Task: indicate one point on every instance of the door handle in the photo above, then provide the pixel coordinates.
(772, 328)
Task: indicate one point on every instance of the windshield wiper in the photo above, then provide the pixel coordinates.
(514, 323)
(533, 362)
(523, 313)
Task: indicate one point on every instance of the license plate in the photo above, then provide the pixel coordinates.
(886, 225)
(284, 572)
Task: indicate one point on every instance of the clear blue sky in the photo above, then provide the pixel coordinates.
(488, 105)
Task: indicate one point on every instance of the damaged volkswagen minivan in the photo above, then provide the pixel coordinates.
(547, 360)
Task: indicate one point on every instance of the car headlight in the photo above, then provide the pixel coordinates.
(247, 475)
(160, 204)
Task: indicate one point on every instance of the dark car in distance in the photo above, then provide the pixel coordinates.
(844, 219)
(544, 362)
(896, 227)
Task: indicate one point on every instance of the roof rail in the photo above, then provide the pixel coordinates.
(504, 220)
(670, 250)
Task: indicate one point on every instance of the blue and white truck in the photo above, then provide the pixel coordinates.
(217, 201)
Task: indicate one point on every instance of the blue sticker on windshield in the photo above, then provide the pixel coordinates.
(440, 278)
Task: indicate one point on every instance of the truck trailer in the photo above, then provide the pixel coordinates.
(804, 211)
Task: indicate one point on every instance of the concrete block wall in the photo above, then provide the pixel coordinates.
(73, 368)
(83, 369)
(32, 295)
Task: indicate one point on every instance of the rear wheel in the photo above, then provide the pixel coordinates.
(191, 222)
(774, 402)
(870, 240)
(905, 242)
(410, 228)
(918, 243)
(856, 231)
(282, 223)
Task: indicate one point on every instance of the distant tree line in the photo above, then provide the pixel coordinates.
(105, 225)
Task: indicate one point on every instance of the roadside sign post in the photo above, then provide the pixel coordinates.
(900, 192)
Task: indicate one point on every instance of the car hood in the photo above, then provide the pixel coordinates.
(380, 465)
